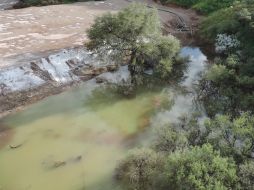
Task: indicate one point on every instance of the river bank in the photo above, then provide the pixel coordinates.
(31, 66)
(28, 83)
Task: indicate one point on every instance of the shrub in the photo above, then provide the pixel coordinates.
(234, 138)
(200, 168)
(140, 170)
(169, 139)
(246, 175)
(203, 6)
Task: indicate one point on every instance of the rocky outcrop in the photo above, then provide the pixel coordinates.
(59, 69)
(37, 79)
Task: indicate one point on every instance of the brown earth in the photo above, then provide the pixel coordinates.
(29, 33)
(33, 32)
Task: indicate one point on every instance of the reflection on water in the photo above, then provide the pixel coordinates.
(184, 102)
(64, 143)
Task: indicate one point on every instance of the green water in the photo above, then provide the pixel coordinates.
(72, 142)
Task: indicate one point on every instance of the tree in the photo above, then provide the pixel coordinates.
(203, 6)
(228, 86)
(232, 137)
(231, 88)
(170, 139)
(246, 175)
(180, 135)
(190, 124)
(134, 34)
(140, 170)
(200, 168)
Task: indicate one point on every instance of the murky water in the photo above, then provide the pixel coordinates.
(72, 141)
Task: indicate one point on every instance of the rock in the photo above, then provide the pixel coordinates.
(43, 74)
(99, 70)
(58, 164)
(129, 92)
(76, 159)
(101, 80)
(87, 71)
(15, 146)
(72, 63)
(94, 71)
(112, 67)
(51, 164)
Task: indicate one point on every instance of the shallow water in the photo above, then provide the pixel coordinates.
(72, 142)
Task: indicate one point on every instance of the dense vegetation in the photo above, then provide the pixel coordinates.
(187, 156)
(229, 83)
(191, 154)
(203, 6)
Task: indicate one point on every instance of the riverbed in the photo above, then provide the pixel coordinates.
(74, 140)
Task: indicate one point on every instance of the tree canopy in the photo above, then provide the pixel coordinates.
(200, 168)
(140, 170)
(235, 138)
(134, 34)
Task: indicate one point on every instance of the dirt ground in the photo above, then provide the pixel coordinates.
(26, 33)
(33, 32)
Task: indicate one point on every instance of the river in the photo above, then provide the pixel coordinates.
(73, 140)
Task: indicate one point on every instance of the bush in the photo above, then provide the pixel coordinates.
(170, 139)
(187, 3)
(140, 170)
(232, 138)
(200, 168)
(203, 6)
(210, 6)
(246, 175)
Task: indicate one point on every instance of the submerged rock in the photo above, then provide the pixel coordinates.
(75, 159)
(15, 146)
(50, 163)
(101, 79)
(58, 164)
